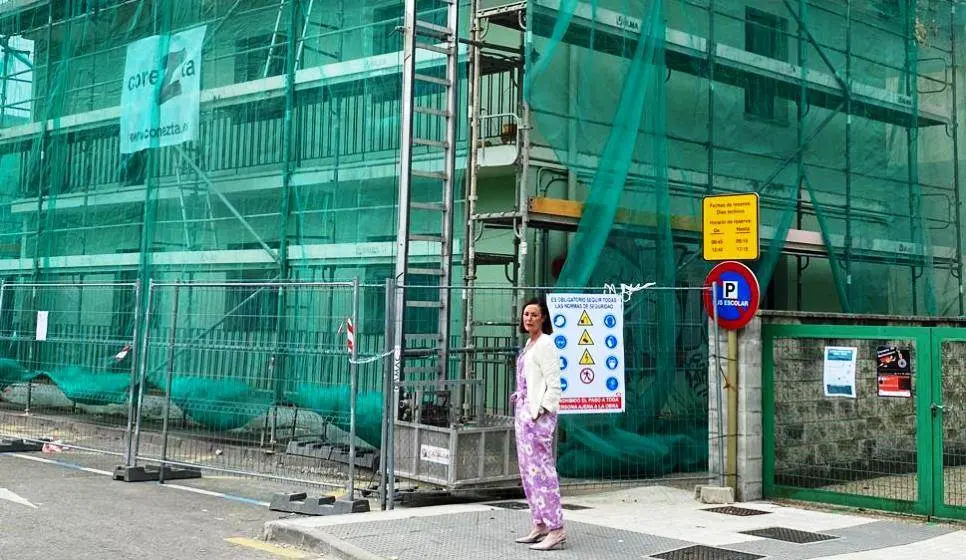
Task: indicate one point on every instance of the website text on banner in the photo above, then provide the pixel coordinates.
(588, 330)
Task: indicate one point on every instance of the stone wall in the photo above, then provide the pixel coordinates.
(866, 445)
(749, 460)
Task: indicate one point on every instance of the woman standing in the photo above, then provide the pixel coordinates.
(537, 400)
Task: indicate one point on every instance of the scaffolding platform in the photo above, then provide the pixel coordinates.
(435, 443)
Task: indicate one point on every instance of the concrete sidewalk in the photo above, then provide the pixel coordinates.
(647, 522)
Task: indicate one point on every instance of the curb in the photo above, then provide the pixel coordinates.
(315, 540)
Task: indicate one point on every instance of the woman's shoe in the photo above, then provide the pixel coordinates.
(536, 535)
(554, 540)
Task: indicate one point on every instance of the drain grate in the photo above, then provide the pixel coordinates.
(701, 552)
(740, 512)
(509, 505)
(575, 507)
(789, 535)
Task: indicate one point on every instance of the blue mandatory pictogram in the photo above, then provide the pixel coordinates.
(559, 321)
(612, 362)
(611, 341)
(563, 363)
(563, 384)
(612, 383)
(560, 341)
(610, 321)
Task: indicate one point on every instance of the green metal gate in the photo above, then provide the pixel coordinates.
(901, 454)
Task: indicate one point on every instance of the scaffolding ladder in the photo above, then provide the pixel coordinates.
(510, 17)
(306, 19)
(433, 200)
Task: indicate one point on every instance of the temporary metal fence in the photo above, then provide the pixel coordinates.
(663, 434)
(255, 379)
(66, 363)
(252, 379)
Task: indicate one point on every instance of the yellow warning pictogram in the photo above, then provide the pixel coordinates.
(584, 320)
(587, 359)
(585, 339)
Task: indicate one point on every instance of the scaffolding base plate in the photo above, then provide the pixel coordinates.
(153, 474)
(19, 446)
(299, 502)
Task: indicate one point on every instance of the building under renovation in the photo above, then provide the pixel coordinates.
(227, 144)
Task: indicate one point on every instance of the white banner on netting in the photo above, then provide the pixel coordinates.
(161, 94)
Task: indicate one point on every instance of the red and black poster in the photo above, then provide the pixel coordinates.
(894, 372)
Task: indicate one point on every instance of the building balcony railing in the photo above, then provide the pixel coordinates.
(344, 112)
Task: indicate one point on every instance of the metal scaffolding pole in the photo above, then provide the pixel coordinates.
(472, 176)
(848, 149)
(953, 47)
(912, 139)
(712, 46)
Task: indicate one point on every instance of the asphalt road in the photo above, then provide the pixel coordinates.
(52, 512)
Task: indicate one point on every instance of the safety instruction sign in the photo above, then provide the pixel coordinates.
(588, 330)
(730, 227)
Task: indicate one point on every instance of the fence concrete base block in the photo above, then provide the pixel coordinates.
(714, 494)
(153, 474)
(299, 502)
(19, 446)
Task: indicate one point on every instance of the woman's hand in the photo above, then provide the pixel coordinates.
(513, 398)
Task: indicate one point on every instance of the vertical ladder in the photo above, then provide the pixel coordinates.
(5, 69)
(275, 32)
(435, 198)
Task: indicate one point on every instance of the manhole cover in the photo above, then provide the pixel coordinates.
(510, 505)
(575, 507)
(732, 510)
(789, 535)
(701, 552)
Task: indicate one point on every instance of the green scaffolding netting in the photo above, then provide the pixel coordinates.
(840, 115)
(653, 105)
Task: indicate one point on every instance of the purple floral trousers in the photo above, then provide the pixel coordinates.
(535, 453)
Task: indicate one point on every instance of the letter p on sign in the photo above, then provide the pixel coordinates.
(729, 289)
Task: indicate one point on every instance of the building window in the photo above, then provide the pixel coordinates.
(887, 8)
(382, 34)
(418, 320)
(765, 34)
(373, 309)
(133, 169)
(251, 308)
(252, 56)
(124, 302)
(254, 53)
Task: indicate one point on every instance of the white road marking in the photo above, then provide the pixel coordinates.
(11, 497)
(61, 464)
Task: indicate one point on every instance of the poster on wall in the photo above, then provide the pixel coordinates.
(161, 93)
(588, 330)
(839, 371)
(893, 370)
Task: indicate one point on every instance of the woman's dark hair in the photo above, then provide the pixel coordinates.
(541, 302)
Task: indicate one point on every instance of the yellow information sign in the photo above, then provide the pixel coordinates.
(731, 227)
